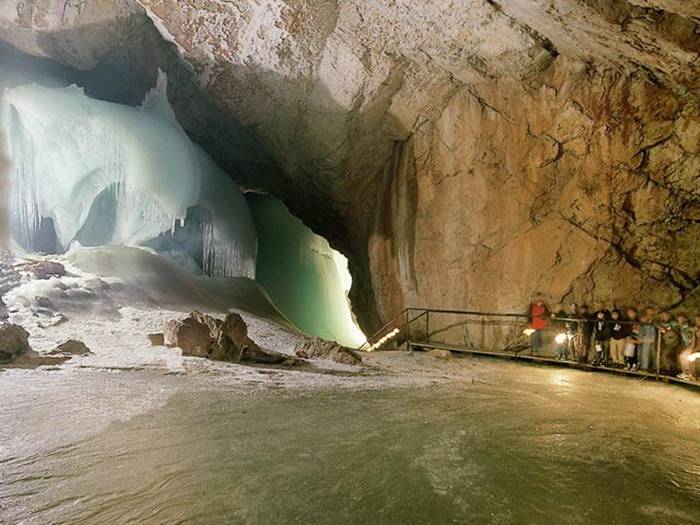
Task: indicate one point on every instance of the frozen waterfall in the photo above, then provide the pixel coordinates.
(100, 173)
(311, 286)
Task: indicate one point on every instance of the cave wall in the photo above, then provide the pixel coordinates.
(460, 154)
(584, 186)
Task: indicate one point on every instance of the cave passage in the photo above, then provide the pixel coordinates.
(306, 278)
(90, 173)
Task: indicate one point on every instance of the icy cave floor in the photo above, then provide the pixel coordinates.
(111, 298)
(126, 375)
(139, 433)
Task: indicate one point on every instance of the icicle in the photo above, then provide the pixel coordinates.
(156, 100)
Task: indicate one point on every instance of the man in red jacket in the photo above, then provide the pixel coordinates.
(538, 313)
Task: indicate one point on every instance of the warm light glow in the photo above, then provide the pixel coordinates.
(560, 338)
(560, 379)
(381, 342)
(693, 357)
(355, 332)
(528, 332)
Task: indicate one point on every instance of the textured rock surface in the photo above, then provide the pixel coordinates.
(71, 347)
(157, 339)
(201, 335)
(460, 153)
(315, 347)
(4, 314)
(438, 353)
(14, 341)
(194, 335)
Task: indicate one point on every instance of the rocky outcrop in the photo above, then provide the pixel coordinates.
(71, 347)
(15, 351)
(194, 335)
(4, 314)
(201, 335)
(14, 341)
(47, 269)
(439, 353)
(31, 359)
(315, 347)
(461, 154)
(156, 339)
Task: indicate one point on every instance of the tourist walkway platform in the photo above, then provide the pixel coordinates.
(489, 334)
(521, 356)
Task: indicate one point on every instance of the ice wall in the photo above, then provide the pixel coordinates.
(132, 171)
(99, 174)
(304, 276)
(4, 192)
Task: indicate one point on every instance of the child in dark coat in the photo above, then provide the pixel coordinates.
(619, 333)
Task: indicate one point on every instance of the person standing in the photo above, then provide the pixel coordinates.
(646, 341)
(686, 332)
(619, 332)
(537, 313)
(559, 324)
(601, 337)
(670, 343)
(585, 333)
(688, 357)
(632, 339)
(572, 329)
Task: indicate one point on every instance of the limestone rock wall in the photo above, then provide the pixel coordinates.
(584, 185)
(461, 153)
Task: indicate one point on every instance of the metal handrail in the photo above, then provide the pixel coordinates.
(425, 311)
(467, 312)
(516, 316)
(384, 327)
(408, 322)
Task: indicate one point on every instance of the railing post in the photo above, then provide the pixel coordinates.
(482, 333)
(658, 354)
(408, 330)
(578, 344)
(427, 326)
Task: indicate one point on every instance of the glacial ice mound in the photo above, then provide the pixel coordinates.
(107, 174)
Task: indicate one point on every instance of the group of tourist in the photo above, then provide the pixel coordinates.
(646, 340)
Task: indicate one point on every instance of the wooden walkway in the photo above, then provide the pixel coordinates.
(522, 356)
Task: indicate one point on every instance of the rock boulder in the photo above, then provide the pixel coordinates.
(235, 328)
(71, 347)
(156, 339)
(193, 335)
(14, 341)
(46, 269)
(439, 353)
(315, 347)
(201, 335)
(31, 359)
(4, 314)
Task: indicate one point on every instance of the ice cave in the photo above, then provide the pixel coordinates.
(89, 173)
(350, 262)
